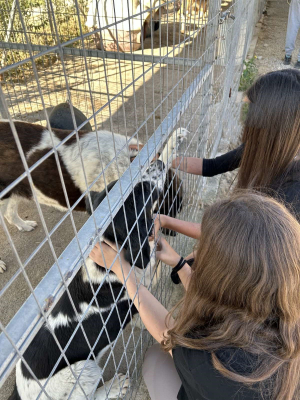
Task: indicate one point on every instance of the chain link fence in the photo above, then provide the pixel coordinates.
(96, 99)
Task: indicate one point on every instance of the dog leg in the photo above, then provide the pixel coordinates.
(10, 212)
(2, 267)
(116, 390)
(173, 145)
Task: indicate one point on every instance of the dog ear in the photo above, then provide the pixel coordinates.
(170, 202)
(137, 247)
(136, 254)
(175, 194)
(61, 118)
(96, 198)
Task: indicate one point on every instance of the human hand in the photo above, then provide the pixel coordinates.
(158, 221)
(180, 162)
(166, 254)
(107, 256)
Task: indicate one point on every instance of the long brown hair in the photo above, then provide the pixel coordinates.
(271, 134)
(244, 292)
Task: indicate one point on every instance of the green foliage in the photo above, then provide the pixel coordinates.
(40, 20)
(249, 75)
(244, 112)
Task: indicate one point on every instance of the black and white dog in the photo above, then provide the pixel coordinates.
(96, 157)
(94, 294)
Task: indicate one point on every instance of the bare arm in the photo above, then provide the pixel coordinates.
(168, 255)
(192, 165)
(190, 229)
(192, 255)
(185, 275)
(152, 312)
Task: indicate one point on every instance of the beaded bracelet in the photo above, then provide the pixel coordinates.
(174, 274)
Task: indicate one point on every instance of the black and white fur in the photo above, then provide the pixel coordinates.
(43, 353)
(37, 141)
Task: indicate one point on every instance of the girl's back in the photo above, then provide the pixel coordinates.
(237, 335)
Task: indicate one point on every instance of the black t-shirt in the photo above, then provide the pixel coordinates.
(201, 381)
(286, 189)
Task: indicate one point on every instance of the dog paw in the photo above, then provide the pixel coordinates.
(26, 226)
(2, 267)
(120, 386)
(116, 390)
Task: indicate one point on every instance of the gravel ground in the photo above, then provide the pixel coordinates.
(270, 47)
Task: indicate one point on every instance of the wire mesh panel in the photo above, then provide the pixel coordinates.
(96, 99)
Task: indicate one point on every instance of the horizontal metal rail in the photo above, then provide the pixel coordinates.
(145, 58)
(27, 321)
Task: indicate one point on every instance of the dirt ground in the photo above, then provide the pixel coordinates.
(269, 52)
(270, 47)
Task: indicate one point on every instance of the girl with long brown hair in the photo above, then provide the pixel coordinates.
(236, 334)
(268, 158)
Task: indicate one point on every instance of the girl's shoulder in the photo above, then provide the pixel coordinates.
(289, 181)
(191, 357)
(287, 190)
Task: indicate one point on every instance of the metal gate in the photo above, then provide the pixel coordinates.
(141, 69)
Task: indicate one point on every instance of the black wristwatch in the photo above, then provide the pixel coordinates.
(174, 274)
